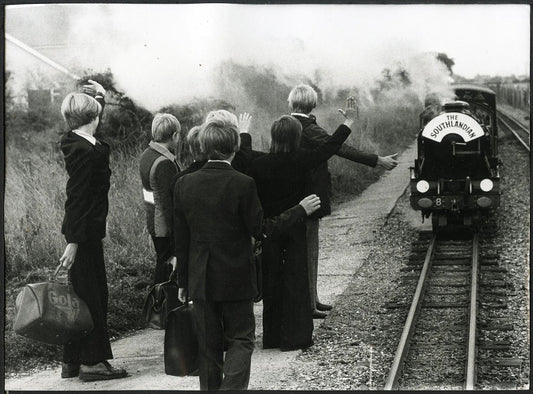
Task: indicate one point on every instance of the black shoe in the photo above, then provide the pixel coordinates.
(319, 315)
(101, 371)
(323, 307)
(70, 370)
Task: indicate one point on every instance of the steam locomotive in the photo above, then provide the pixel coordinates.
(456, 175)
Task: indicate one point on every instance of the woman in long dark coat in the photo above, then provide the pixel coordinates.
(280, 179)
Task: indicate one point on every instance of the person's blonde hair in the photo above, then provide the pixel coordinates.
(193, 141)
(79, 109)
(164, 126)
(223, 116)
(302, 98)
(219, 140)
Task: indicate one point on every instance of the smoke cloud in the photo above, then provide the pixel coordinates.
(163, 54)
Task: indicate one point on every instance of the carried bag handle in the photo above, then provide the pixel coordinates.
(54, 275)
(173, 275)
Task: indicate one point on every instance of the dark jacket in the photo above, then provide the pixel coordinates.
(243, 156)
(159, 171)
(88, 183)
(216, 212)
(195, 166)
(319, 179)
(271, 226)
(241, 161)
(281, 177)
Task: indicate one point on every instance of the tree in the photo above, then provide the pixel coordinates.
(448, 62)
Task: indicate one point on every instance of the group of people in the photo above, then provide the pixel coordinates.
(204, 221)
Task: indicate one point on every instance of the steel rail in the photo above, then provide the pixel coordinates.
(403, 347)
(520, 125)
(511, 129)
(471, 349)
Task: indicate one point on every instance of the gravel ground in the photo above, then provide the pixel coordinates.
(354, 346)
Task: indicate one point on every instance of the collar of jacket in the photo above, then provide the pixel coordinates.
(86, 136)
(162, 150)
(71, 135)
(300, 114)
(306, 119)
(218, 164)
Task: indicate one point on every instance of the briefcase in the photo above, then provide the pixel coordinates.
(181, 342)
(161, 298)
(51, 312)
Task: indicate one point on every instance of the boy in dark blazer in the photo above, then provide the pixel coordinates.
(217, 211)
(302, 100)
(84, 226)
(216, 214)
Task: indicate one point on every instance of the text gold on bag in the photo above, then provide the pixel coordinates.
(68, 305)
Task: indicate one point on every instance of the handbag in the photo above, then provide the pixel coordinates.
(161, 298)
(51, 312)
(181, 342)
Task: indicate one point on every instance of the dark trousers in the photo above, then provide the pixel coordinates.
(163, 250)
(234, 322)
(312, 259)
(287, 319)
(89, 281)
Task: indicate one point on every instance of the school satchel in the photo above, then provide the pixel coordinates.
(51, 312)
(161, 298)
(181, 342)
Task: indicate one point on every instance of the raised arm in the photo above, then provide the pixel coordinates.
(243, 157)
(311, 158)
(315, 135)
(94, 89)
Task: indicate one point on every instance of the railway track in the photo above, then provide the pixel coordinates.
(520, 132)
(450, 334)
(439, 337)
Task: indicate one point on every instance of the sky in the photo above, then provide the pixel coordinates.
(149, 47)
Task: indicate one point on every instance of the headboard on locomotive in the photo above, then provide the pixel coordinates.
(454, 144)
(457, 166)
